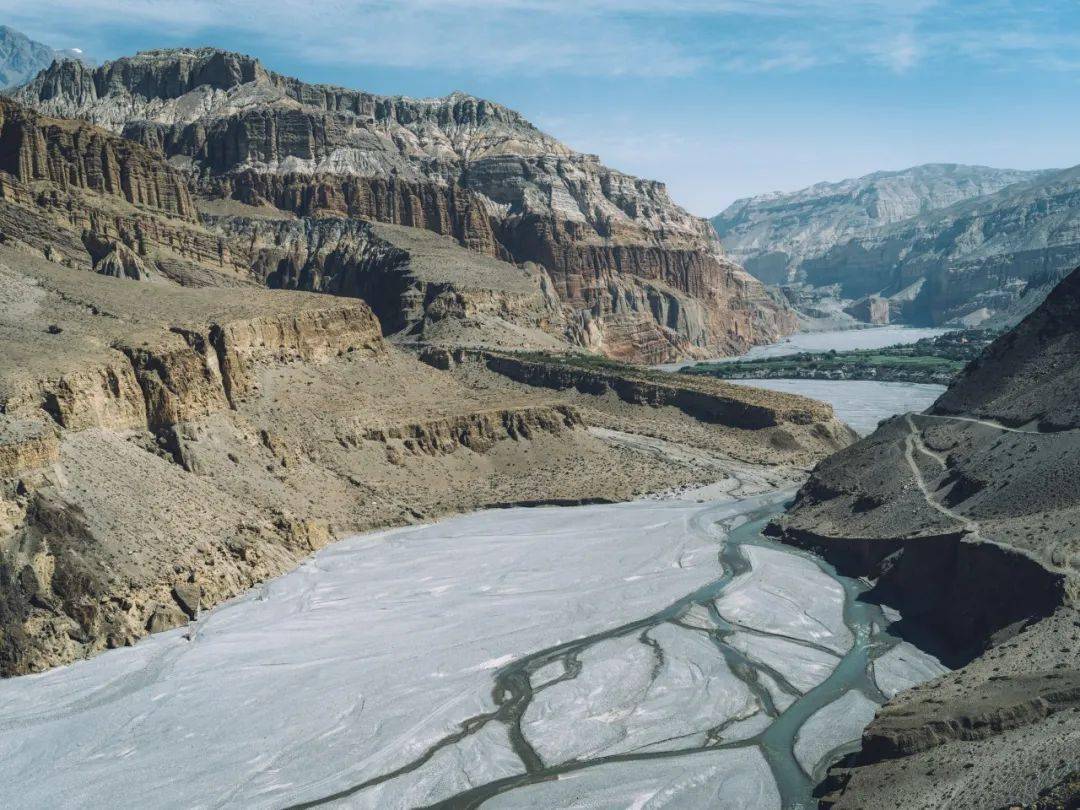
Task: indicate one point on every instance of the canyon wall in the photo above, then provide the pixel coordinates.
(164, 448)
(640, 277)
(70, 154)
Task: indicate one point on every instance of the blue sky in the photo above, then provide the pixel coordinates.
(719, 99)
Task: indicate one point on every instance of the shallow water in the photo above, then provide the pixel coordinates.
(860, 403)
(660, 653)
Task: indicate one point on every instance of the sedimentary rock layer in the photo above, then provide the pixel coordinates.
(164, 448)
(72, 154)
(706, 400)
(418, 283)
(642, 278)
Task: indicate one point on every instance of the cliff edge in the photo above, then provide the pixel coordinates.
(640, 277)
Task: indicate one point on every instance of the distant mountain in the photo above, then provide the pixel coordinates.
(21, 58)
(998, 253)
(944, 244)
(772, 235)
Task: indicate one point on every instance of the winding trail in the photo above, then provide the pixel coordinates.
(990, 424)
(914, 442)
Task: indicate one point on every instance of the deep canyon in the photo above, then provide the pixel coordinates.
(345, 461)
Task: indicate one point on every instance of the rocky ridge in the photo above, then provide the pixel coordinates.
(69, 155)
(639, 277)
(971, 260)
(967, 518)
(92, 200)
(936, 244)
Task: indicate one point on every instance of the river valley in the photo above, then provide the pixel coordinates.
(650, 654)
(657, 653)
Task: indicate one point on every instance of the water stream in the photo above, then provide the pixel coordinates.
(777, 742)
(875, 337)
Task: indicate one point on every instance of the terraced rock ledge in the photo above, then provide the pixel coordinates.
(164, 448)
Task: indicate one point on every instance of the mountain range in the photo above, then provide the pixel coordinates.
(242, 315)
(940, 243)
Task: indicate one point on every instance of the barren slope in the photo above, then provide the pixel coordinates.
(969, 518)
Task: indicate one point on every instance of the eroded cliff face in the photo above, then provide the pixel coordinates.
(69, 154)
(421, 285)
(163, 448)
(966, 516)
(641, 278)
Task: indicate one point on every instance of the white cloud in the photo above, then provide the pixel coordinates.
(899, 53)
(586, 37)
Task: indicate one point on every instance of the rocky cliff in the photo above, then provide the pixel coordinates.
(69, 154)
(639, 276)
(966, 516)
(421, 286)
(90, 199)
(772, 235)
(171, 432)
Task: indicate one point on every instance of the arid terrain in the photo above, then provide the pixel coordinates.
(370, 405)
(174, 432)
(966, 516)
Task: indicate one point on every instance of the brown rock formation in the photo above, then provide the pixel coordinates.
(446, 210)
(164, 448)
(641, 278)
(872, 309)
(71, 154)
(476, 431)
(26, 445)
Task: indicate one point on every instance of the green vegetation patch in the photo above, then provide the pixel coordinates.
(930, 360)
